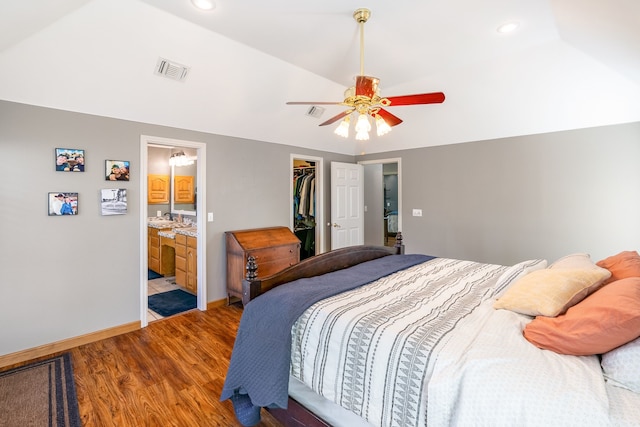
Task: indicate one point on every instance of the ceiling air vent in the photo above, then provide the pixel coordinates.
(314, 111)
(171, 70)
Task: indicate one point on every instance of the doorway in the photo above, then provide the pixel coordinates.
(382, 201)
(306, 225)
(194, 211)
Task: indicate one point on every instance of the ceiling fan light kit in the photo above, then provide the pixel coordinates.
(364, 99)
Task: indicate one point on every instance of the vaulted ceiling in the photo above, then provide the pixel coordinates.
(570, 64)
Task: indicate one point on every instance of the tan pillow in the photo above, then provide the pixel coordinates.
(550, 292)
(606, 319)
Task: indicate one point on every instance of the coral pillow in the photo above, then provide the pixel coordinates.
(606, 319)
(550, 292)
(623, 265)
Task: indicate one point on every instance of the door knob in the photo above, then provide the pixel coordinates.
(336, 225)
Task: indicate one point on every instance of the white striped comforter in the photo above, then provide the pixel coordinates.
(425, 347)
(369, 350)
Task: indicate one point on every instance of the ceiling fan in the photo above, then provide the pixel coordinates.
(364, 98)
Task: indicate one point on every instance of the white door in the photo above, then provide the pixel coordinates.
(347, 202)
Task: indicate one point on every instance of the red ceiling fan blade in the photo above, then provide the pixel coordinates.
(422, 98)
(313, 103)
(336, 118)
(389, 118)
(366, 86)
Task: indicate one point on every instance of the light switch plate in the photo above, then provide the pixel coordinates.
(210, 216)
(417, 212)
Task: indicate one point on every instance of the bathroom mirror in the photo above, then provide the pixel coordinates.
(172, 187)
(183, 188)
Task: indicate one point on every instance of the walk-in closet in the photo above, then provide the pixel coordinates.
(304, 206)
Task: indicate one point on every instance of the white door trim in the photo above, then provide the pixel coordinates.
(201, 203)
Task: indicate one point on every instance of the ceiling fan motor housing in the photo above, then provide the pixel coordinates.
(367, 86)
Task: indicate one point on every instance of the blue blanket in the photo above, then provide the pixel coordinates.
(258, 373)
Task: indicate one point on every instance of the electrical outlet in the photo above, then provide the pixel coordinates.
(417, 212)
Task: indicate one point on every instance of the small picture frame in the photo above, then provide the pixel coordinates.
(113, 201)
(116, 170)
(69, 160)
(62, 203)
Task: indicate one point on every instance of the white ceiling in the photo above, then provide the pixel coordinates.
(570, 64)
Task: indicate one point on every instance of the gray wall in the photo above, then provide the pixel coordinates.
(540, 196)
(67, 276)
(498, 201)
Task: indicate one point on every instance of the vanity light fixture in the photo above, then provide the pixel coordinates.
(180, 159)
(204, 4)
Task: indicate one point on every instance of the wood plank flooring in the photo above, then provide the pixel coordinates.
(167, 374)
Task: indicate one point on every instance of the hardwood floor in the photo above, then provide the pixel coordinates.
(167, 374)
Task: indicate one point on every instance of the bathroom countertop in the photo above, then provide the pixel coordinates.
(173, 225)
(188, 231)
(161, 223)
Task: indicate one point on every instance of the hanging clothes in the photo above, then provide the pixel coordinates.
(304, 196)
(304, 202)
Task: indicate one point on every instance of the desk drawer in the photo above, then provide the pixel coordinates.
(272, 254)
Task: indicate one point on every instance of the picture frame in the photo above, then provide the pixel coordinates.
(61, 203)
(69, 160)
(117, 170)
(113, 201)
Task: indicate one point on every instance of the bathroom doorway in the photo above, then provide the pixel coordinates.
(180, 215)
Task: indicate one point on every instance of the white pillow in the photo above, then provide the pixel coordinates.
(515, 272)
(621, 366)
(581, 261)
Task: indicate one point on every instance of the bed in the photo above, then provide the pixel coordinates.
(413, 340)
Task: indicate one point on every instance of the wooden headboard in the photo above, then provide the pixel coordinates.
(253, 286)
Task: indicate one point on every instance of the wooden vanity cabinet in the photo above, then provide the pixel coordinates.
(157, 262)
(274, 248)
(186, 262)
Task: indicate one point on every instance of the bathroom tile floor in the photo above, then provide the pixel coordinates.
(156, 286)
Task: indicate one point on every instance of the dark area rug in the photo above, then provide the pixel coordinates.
(40, 394)
(172, 302)
(154, 275)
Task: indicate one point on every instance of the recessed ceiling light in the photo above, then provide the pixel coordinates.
(508, 27)
(204, 4)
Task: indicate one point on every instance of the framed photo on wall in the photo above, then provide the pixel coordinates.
(63, 203)
(116, 170)
(69, 160)
(113, 201)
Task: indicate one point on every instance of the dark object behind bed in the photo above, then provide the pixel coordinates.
(337, 259)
